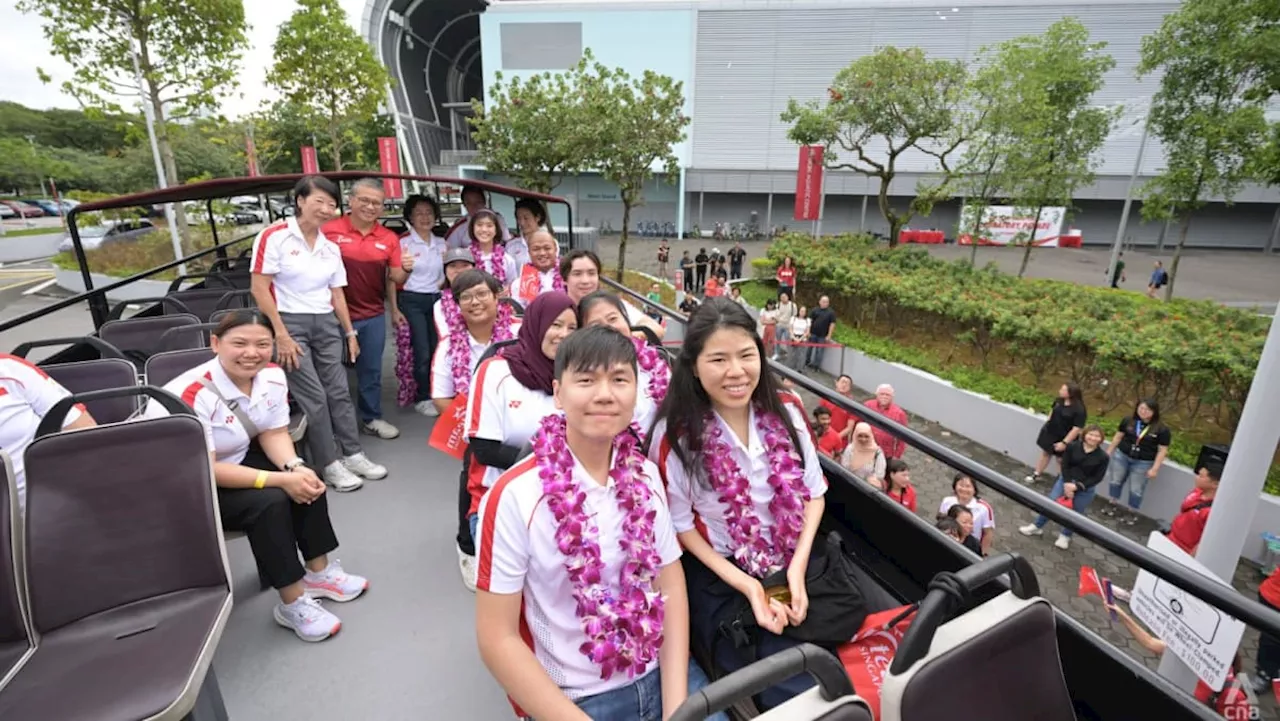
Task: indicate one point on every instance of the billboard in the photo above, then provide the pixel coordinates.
(389, 161)
(809, 183)
(1009, 225)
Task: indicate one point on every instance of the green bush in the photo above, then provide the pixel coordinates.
(121, 260)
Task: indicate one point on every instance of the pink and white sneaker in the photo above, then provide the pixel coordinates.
(307, 619)
(334, 584)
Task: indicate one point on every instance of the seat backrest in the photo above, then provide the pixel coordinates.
(140, 338)
(187, 337)
(1008, 638)
(15, 630)
(201, 301)
(119, 513)
(96, 375)
(493, 349)
(164, 367)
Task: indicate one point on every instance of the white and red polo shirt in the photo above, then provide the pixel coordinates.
(267, 405)
(26, 395)
(517, 553)
(500, 408)
(366, 258)
(696, 506)
(302, 277)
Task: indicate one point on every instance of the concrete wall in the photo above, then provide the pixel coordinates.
(1012, 431)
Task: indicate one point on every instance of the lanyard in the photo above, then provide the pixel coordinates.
(1142, 432)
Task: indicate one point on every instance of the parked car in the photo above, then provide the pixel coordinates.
(95, 236)
(24, 210)
(6, 212)
(49, 207)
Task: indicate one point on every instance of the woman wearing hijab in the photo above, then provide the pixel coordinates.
(512, 393)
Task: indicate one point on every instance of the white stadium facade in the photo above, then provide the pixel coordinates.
(740, 61)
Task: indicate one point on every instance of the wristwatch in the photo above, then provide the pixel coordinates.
(291, 465)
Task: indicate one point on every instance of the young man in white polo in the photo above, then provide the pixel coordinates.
(581, 610)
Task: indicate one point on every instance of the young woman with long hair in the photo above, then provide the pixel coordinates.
(1063, 426)
(485, 230)
(744, 484)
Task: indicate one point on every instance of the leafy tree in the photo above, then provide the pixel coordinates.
(188, 53)
(1210, 124)
(92, 132)
(536, 130)
(1050, 80)
(980, 172)
(893, 99)
(281, 129)
(325, 69)
(634, 124)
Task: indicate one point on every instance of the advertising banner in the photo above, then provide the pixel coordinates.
(1007, 225)
(389, 162)
(309, 162)
(809, 183)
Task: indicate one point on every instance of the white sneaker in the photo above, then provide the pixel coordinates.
(426, 408)
(380, 428)
(1031, 478)
(1063, 542)
(1031, 530)
(467, 566)
(334, 584)
(360, 465)
(307, 619)
(341, 479)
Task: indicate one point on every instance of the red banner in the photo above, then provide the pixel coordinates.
(389, 161)
(809, 183)
(251, 153)
(309, 162)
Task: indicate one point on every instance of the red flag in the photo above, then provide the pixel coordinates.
(310, 163)
(1090, 583)
(1275, 689)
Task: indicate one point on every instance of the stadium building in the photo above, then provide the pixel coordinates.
(740, 61)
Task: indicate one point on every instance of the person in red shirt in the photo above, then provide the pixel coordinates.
(897, 483)
(1268, 669)
(786, 277)
(841, 420)
(371, 256)
(1188, 526)
(883, 403)
(830, 444)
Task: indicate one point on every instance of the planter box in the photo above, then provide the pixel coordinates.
(1012, 431)
(29, 247)
(71, 280)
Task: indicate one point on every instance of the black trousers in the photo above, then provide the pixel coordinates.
(466, 543)
(277, 528)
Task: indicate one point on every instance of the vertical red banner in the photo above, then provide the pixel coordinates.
(809, 182)
(309, 162)
(251, 154)
(389, 161)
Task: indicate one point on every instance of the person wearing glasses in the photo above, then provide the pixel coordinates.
(372, 258)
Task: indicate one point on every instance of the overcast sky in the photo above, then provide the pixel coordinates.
(23, 48)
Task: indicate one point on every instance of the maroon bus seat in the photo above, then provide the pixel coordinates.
(16, 644)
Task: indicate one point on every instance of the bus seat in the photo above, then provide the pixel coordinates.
(164, 367)
(493, 349)
(233, 300)
(202, 301)
(16, 637)
(1012, 637)
(832, 699)
(96, 375)
(186, 337)
(126, 570)
(140, 338)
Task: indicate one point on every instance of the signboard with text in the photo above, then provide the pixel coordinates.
(809, 183)
(1007, 225)
(389, 162)
(310, 164)
(1200, 635)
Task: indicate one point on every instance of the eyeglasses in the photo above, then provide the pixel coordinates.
(479, 296)
(369, 203)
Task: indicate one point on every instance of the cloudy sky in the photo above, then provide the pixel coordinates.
(23, 49)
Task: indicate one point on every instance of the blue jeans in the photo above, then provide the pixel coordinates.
(1079, 504)
(640, 700)
(816, 352)
(418, 309)
(474, 521)
(1123, 468)
(372, 335)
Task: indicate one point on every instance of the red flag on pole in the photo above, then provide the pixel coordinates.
(809, 183)
(251, 154)
(1090, 583)
(309, 162)
(389, 161)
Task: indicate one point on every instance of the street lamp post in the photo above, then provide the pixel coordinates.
(1128, 199)
(148, 114)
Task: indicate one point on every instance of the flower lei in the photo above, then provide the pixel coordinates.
(622, 620)
(405, 360)
(497, 261)
(759, 552)
(650, 361)
(459, 347)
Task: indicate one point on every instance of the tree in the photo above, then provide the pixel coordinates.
(1210, 124)
(632, 124)
(325, 69)
(535, 130)
(188, 54)
(1050, 80)
(892, 99)
(281, 129)
(980, 172)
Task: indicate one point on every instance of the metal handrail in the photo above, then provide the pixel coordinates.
(1223, 596)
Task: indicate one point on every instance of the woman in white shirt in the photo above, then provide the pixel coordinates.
(744, 484)
(490, 255)
(799, 332)
(415, 302)
(26, 395)
(965, 493)
(264, 488)
(785, 313)
(604, 308)
(531, 217)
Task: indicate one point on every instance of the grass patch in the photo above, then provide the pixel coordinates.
(121, 260)
(643, 284)
(24, 232)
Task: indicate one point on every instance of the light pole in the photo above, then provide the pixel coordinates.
(148, 113)
(1128, 198)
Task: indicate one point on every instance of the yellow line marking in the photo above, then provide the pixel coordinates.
(21, 283)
